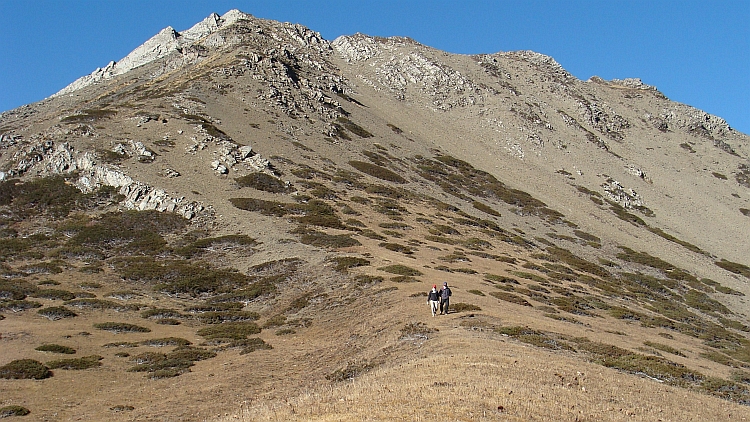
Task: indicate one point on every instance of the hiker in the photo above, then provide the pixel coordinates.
(433, 298)
(445, 295)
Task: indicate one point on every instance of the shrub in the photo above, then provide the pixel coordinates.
(396, 247)
(18, 305)
(121, 327)
(25, 369)
(230, 330)
(262, 181)
(85, 362)
(98, 304)
(16, 289)
(54, 294)
(461, 307)
(285, 331)
(201, 245)
(324, 240)
(377, 171)
(416, 330)
(166, 341)
(275, 321)
(219, 317)
(56, 348)
(509, 297)
(476, 292)
(343, 263)
(247, 345)
(13, 410)
(353, 127)
(401, 270)
(734, 267)
(55, 313)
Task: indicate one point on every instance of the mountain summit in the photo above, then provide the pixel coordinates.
(250, 215)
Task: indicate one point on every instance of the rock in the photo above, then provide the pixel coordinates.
(244, 152)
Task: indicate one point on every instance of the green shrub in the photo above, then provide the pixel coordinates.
(343, 263)
(16, 289)
(200, 245)
(734, 267)
(285, 331)
(404, 279)
(377, 171)
(396, 247)
(18, 305)
(332, 241)
(275, 321)
(99, 304)
(54, 294)
(416, 330)
(230, 330)
(121, 327)
(461, 307)
(222, 316)
(25, 369)
(56, 348)
(262, 181)
(401, 270)
(353, 128)
(166, 341)
(476, 292)
(13, 410)
(85, 362)
(509, 297)
(121, 344)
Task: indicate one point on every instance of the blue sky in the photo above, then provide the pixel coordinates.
(695, 52)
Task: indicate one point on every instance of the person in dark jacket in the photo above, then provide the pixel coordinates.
(445, 295)
(433, 298)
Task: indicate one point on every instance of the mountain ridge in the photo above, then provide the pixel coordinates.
(262, 173)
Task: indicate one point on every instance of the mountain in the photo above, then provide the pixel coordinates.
(243, 219)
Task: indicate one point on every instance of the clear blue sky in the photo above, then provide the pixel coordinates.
(695, 52)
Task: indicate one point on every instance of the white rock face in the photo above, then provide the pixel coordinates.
(167, 41)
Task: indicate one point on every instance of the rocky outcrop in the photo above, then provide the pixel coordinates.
(400, 70)
(49, 158)
(166, 42)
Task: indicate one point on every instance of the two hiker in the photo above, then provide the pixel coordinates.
(439, 299)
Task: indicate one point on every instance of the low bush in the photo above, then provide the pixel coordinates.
(222, 316)
(121, 327)
(509, 297)
(56, 348)
(85, 362)
(401, 270)
(462, 307)
(25, 369)
(396, 247)
(54, 313)
(246, 345)
(54, 294)
(230, 330)
(166, 341)
(13, 410)
(262, 181)
(332, 241)
(476, 292)
(416, 330)
(18, 305)
(343, 263)
(377, 171)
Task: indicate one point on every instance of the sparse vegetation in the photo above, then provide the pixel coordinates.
(264, 182)
(377, 171)
(13, 410)
(25, 369)
(85, 362)
(56, 348)
(121, 327)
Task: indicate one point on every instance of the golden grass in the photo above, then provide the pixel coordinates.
(481, 379)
